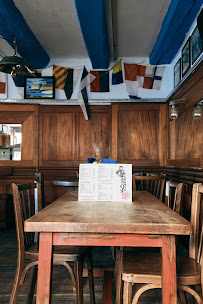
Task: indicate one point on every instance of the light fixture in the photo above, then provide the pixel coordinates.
(197, 110)
(15, 65)
(173, 110)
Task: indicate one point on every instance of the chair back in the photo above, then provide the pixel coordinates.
(195, 244)
(174, 196)
(152, 184)
(26, 203)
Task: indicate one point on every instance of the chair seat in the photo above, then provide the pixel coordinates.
(142, 267)
(60, 253)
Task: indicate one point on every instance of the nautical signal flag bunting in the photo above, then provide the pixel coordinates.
(60, 74)
(143, 76)
(117, 76)
(101, 82)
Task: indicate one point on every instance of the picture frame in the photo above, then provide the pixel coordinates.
(42, 87)
(177, 73)
(186, 59)
(196, 45)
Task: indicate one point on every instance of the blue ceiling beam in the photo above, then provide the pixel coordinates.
(177, 23)
(12, 24)
(91, 15)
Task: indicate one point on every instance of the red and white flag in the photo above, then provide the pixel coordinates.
(142, 76)
(3, 85)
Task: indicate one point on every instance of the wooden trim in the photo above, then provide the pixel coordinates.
(163, 134)
(75, 137)
(141, 162)
(16, 108)
(71, 109)
(193, 96)
(114, 141)
(36, 137)
(188, 83)
(16, 163)
(138, 107)
(190, 162)
(191, 90)
(40, 139)
(61, 163)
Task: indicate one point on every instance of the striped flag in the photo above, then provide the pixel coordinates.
(146, 77)
(3, 83)
(65, 80)
(101, 82)
(60, 74)
(117, 76)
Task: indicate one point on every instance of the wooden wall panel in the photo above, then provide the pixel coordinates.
(57, 136)
(27, 148)
(138, 134)
(186, 137)
(94, 136)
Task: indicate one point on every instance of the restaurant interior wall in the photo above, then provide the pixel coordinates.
(116, 91)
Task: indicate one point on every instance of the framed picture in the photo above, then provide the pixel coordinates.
(196, 45)
(177, 73)
(39, 87)
(186, 62)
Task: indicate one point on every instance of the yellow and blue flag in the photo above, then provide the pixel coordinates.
(117, 76)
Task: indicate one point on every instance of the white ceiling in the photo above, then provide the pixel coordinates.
(56, 26)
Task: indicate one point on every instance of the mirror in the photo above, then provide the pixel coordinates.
(10, 141)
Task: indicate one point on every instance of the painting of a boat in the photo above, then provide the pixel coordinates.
(40, 87)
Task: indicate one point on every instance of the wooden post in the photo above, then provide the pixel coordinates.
(114, 140)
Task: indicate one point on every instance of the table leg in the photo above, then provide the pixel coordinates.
(107, 287)
(44, 268)
(169, 279)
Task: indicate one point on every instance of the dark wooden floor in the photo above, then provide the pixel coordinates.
(62, 288)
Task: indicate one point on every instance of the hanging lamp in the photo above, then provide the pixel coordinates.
(16, 65)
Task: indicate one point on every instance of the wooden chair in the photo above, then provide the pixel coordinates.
(24, 207)
(152, 184)
(174, 196)
(176, 206)
(146, 268)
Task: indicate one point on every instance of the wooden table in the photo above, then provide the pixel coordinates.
(146, 222)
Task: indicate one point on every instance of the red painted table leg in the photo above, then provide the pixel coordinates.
(44, 268)
(169, 278)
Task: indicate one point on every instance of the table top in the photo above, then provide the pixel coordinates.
(145, 215)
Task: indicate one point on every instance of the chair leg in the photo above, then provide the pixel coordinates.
(182, 296)
(90, 276)
(31, 288)
(127, 293)
(118, 274)
(16, 285)
(78, 267)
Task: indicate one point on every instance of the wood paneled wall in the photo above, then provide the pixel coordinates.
(66, 138)
(186, 137)
(186, 133)
(59, 136)
(139, 134)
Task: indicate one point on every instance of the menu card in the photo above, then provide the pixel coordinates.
(105, 182)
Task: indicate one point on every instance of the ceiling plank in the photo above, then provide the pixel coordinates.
(92, 19)
(13, 24)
